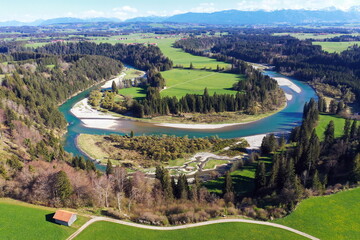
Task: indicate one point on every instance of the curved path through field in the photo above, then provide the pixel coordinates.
(97, 219)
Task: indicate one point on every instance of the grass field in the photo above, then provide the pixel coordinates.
(211, 164)
(333, 47)
(164, 42)
(303, 36)
(134, 92)
(328, 217)
(25, 221)
(179, 82)
(324, 121)
(228, 231)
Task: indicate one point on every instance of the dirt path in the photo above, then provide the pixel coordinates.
(97, 219)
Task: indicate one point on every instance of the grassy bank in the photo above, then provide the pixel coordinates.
(328, 217)
(25, 221)
(229, 231)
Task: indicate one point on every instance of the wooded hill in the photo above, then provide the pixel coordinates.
(290, 56)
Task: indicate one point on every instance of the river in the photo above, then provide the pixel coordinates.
(282, 121)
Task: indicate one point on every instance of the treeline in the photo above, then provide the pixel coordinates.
(138, 55)
(245, 101)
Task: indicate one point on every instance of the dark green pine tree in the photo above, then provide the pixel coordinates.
(114, 87)
(109, 168)
(356, 169)
(274, 171)
(132, 134)
(312, 152)
(182, 187)
(316, 183)
(353, 130)
(196, 188)
(329, 134)
(333, 107)
(63, 187)
(260, 176)
(191, 66)
(347, 128)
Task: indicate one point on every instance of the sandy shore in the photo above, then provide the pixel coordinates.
(117, 81)
(92, 118)
(197, 126)
(254, 141)
(286, 82)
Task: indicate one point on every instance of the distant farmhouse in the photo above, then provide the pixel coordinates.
(64, 217)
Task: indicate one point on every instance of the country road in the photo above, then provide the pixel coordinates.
(97, 219)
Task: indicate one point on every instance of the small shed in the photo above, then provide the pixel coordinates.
(64, 217)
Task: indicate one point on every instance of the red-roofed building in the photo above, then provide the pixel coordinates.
(64, 217)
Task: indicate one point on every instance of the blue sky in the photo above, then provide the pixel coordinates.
(29, 10)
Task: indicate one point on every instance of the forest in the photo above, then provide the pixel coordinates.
(289, 55)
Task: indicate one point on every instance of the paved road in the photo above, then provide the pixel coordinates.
(96, 219)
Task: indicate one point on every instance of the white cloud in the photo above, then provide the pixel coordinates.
(204, 7)
(125, 9)
(124, 12)
(270, 5)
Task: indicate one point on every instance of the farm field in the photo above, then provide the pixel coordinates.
(303, 36)
(328, 217)
(337, 47)
(324, 121)
(182, 81)
(134, 92)
(228, 231)
(164, 42)
(25, 221)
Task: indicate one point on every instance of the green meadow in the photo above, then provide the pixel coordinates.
(179, 82)
(221, 231)
(328, 217)
(304, 36)
(25, 221)
(337, 47)
(324, 120)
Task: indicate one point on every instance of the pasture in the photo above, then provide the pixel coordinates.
(179, 82)
(335, 47)
(328, 217)
(317, 36)
(228, 231)
(25, 221)
(324, 120)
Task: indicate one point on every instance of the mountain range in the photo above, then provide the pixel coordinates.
(228, 17)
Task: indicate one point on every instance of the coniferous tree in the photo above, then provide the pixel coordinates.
(356, 168)
(316, 183)
(353, 130)
(109, 168)
(63, 187)
(347, 128)
(329, 134)
(333, 107)
(114, 87)
(260, 176)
